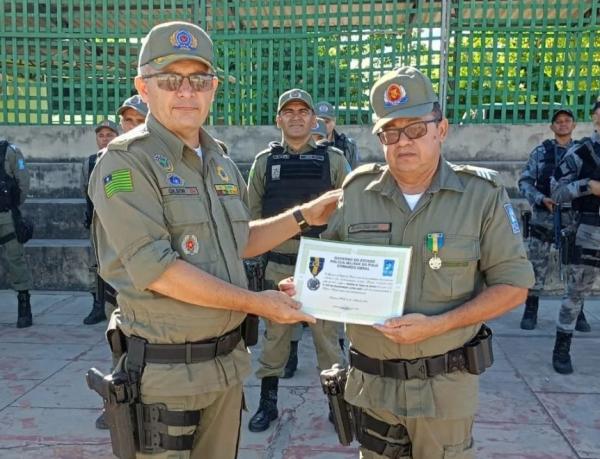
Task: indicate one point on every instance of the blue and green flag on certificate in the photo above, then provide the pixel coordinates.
(118, 181)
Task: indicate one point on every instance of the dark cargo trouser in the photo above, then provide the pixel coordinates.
(13, 259)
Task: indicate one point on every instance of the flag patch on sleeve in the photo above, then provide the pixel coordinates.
(120, 180)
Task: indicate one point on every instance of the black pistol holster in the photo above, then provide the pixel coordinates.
(255, 273)
(352, 422)
(136, 426)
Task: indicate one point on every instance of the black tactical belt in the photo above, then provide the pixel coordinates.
(589, 218)
(187, 353)
(7, 238)
(474, 357)
(282, 258)
(542, 233)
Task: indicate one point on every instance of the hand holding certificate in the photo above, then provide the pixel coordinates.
(355, 283)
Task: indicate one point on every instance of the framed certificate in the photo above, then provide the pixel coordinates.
(348, 282)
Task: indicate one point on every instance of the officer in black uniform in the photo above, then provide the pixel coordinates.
(282, 176)
(14, 184)
(341, 141)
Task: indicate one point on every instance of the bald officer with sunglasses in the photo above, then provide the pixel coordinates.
(171, 226)
(413, 379)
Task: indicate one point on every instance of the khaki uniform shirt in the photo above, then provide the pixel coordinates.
(14, 165)
(176, 205)
(339, 168)
(482, 246)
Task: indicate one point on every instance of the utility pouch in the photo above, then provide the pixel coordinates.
(250, 330)
(115, 390)
(333, 382)
(255, 274)
(567, 247)
(478, 351)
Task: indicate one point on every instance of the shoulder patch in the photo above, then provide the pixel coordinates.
(124, 140)
(365, 169)
(482, 172)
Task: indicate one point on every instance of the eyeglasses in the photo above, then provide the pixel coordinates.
(412, 131)
(200, 82)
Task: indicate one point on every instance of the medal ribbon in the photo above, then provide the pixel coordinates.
(435, 241)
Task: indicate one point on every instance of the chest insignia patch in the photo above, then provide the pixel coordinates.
(512, 218)
(276, 172)
(369, 228)
(175, 179)
(164, 162)
(225, 189)
(21, 164)
(189, 244)
(222, 174)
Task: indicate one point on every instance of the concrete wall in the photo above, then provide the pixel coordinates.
(496, 143)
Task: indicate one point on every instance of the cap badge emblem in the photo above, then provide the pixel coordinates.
(182, 39)
(395, 94)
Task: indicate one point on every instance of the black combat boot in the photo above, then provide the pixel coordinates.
(24, 318)
(582, 324)
(267, 407)
(292, 364)
(529, 320)
(561, 360)
(96, 314)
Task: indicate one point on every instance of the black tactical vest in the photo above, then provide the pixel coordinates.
(589, 152)
(542, 182)
(294, 179)
(9, 187)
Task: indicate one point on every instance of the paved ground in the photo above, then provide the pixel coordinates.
(526, 410)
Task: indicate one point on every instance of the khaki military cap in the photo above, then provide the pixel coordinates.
(320, 128)
(325, 110)
(173, 41)
(136, 103)
(402, 93)
(108, 124)
(295, 95)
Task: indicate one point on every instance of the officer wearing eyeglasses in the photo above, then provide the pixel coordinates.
(171, 225)
(413, 379)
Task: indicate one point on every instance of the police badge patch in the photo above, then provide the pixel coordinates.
(512, 218)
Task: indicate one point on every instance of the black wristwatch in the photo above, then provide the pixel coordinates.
(302, 223)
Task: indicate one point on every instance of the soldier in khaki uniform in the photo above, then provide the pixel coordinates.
(464, 234)
(106, 131)
(171, 225)
(14, 185)
(283, 175)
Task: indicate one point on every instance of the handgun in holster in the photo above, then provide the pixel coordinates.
(526, 218)
(333, 382)
(256, 282)
(116, 392)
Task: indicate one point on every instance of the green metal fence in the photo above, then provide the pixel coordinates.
(73, 62)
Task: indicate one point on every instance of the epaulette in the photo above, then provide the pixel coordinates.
(124, 140)
(332, 148)
(482, 172)
(365, 169)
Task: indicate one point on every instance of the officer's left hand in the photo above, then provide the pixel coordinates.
(410, 328)
(318, 211)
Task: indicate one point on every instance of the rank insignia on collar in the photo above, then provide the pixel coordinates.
(182, 39)
(189, 244)
(175, 179)
(163, 162)
(222, 174)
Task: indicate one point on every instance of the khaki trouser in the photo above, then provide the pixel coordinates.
(218, 432)
(12, 256)
(431, 438)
